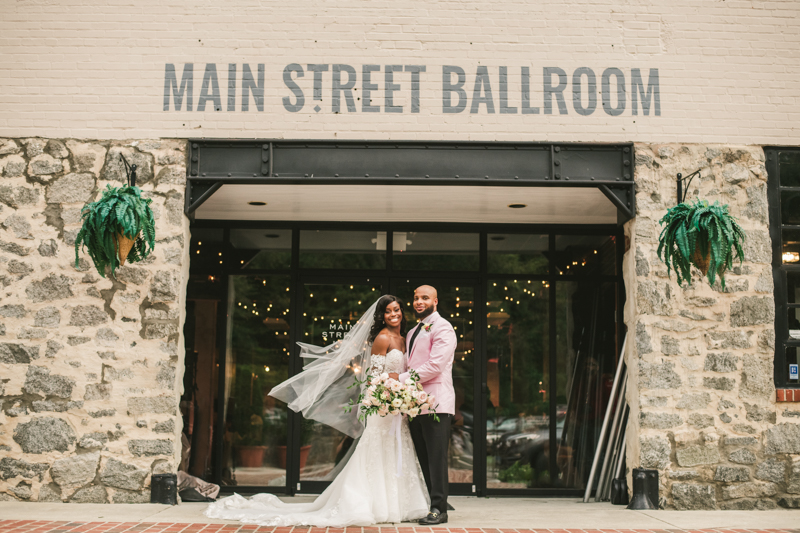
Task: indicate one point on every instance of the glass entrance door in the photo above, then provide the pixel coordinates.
(457, 300)
(329, 308)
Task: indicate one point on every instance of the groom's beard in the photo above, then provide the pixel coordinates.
(427, 312)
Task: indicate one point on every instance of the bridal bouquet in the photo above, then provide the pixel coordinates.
(383, 396)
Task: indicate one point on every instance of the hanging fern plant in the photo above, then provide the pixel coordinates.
(117, 227)
(702, 235)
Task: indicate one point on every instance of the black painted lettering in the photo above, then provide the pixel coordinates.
(482, 85)
(504, 108)
(448, 88)
(651, 95)
(171, 86)
(391, 88)
(249, 85)
(231, 86)
(415, 70)
(318, 70)
(526, 93)
(299, 97)
(606, 91)
(367, 87)
(210, 89)
(551, 90)
(577, 91)
(337, 88)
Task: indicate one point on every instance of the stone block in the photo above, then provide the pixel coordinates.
(670, 345)
(689, 496)
(719, 383)
(721, 362)
(14, 248)
(122, 475)
(87, 315)
(93, 440)
(152, 405)
(757, 247)
(54, 406)
(697, 455)
(727, 340)
(743, 456)
(167, 426)
(749, 490)
(18, 226)
(48, 248)
(53, 287)
(789, 502)
(771, 470)
(740, 441)
(126, 496)
(22, 490)
(159, 330)
(39, 380)
(11, 468)
(654, 298)
(728, 474)
(752, 310)
(45, 165)
(757, 378)
(756, 413)
(13, 311)
(114, 170)
(744, 428)
(45, 434)
(693, 401)
(75, 188)
(134, 275)
(101, 413)
(48, 317)
(19, 267)
(658, 376)
(49, 493)
(659, 420)
(700, 420)
(77, 470)
(98, 391)
(32, 333)
(90, 494)
(11, 353)
(150, 447)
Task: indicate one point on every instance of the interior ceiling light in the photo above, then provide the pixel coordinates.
(517, 206)
(257, 203)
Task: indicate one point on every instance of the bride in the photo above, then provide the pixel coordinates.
(382, 480)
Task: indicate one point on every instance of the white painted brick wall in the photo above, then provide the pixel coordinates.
(729, 71)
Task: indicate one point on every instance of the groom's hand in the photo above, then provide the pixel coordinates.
(394, 375)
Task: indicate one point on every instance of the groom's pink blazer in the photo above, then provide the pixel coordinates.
(432, 357)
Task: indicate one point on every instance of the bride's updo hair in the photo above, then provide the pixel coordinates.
(379, 323)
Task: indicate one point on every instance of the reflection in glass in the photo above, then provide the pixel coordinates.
(266, 249)
(517, 254)
(329, 311)
(790, 252)
(456, 304)
(790, 208)
(206, 250)
(586, 347)
(585, 254)
(517, 426)
(435, 251)
(789, 169)
(352, 250)
(258, 359)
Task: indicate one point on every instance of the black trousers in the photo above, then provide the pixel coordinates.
(431, 442)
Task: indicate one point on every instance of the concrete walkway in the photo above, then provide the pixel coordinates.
(471, 512)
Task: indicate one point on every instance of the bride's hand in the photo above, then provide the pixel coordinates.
(394, 375)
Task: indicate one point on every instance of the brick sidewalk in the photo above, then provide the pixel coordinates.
(46, 526)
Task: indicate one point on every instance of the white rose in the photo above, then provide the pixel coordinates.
(383, 377)
(409, 381)
(422, 396)
(375, 401)
(425, 406)
(397, 402)
(413, 412)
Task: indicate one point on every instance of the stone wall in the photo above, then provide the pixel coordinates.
(90, 367)
(701, 388)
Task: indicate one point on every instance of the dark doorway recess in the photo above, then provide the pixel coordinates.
(537, 310)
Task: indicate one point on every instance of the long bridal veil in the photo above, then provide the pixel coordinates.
(323, 389)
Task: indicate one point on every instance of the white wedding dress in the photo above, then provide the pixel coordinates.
(367, 491)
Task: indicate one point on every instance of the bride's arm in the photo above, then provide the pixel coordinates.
(379, 347)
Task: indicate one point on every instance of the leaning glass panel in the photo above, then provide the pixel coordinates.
(352, 250)
(258, 345)
(511, 253)
(587, 348)
(790, 208)
(789, 169)
(585, 254)
(435, 251)
(264, 249)
(790, 251)
(518, 421)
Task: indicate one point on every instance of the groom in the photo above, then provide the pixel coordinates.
(431, 347)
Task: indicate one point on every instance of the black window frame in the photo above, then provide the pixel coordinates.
(779, 269)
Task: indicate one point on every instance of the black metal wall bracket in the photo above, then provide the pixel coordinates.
(623, 197)
(681, 179)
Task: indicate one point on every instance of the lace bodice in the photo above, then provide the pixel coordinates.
(393, 361)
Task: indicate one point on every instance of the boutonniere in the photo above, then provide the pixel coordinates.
(427, 327)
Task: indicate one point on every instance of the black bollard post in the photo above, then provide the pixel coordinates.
(164, 489)
(645, 489)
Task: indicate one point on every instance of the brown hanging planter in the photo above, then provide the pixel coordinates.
(700, 261)
(123, 245)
